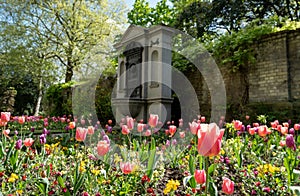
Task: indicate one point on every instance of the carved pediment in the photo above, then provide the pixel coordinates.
(132, 32)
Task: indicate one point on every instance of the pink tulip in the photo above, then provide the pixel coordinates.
(153, 120)
(91, 130)
(6, 132)
(82, 121)
(102, 147)
(263, 131)
(202, 119)
(251, 131)
(282, 143)
(125, 130)
(140, 127)
(172, 129)
(227, 186)
(209, 139)
(237, 124)
(28, 142)
(255, 125)
(5, 116)
(62, 120)
(126, 167)
(182, 134)
(285, 124)
(80, 134)
(147, 132)
(194, 127)
(21, 119)
(273, 125)
(200, 176)
(130, 123)
(284, 130)
(297, 127)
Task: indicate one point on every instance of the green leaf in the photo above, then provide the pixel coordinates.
(213, 191)
(61, 181)
(151, 160)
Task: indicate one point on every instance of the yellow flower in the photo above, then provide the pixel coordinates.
(267, 168)
(64, 148)
(95, 172)
(19, 192)
(82, 166)
(13, 177)
(222, 151)
(171, 186)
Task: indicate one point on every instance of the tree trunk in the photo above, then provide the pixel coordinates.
(69, 72)
(39, 100)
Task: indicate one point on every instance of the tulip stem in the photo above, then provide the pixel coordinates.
(207, 175)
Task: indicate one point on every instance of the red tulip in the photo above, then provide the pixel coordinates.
(91, 130)
(2, 123)
(194, 127)
(202, 119)
(21, 119)
(153, 120)
(200, 176)
(102, 147)
(172, 129)
(209, 139)
(125, 130)
(5, 116)
(130, 123)
(81, 134)
(285, 124)
(126, 167)
(28, 142)
(227, 186)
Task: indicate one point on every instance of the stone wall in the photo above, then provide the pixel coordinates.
(271, 86)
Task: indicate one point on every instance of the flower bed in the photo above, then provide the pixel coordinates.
(240, 158)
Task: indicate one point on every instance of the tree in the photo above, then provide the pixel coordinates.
(67, 30)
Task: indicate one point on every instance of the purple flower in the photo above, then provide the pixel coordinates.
(109, 129)
(292, 131)
(43, 139)
(290, 142)
(102, 132)
(248, 127)
(106, 138)
(16, 132)
(174, 142)
(19, 144)
(46, 132)
(243, 128)
(168, 143)
(32, 129)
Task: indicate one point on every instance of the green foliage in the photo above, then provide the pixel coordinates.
(144, 15)
(58, 99)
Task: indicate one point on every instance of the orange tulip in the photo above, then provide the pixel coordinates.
(251, 131)
(21, 119)
(297, 127)
(284, 130)
(72, 125)
(237, 124)
(102, 147)
(28, 142)
(91, 130)
(263, 131)
(126, 167)
(209, 139)
(80, 134)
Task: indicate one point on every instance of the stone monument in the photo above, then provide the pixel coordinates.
(144, 76)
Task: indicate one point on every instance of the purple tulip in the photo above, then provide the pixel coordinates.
(168, 143)
(109, 129)
(174, 142)
(292, 131)
(43, 139)
(290, 142)
(46, 132)
(19, 144)
(106, 138)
